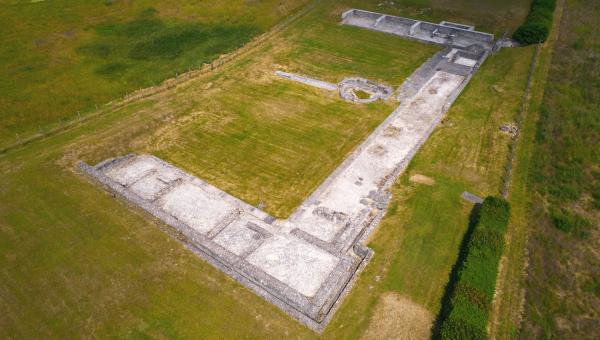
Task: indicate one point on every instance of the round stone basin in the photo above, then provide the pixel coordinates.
(360, 90)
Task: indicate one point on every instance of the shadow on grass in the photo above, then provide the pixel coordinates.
(453, 278)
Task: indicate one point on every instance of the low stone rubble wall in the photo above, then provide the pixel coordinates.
(308, 81)
(346, 87)
(277, 265)
(444, 33)
(377, 91)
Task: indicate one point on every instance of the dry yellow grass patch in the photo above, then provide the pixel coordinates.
(421, 179)
(397, 317)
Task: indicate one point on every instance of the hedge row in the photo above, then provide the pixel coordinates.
(537, 25)
(470, 301)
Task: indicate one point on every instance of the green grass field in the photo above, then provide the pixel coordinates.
(563, 282)
(554, 228)
(61, 57)
(266, 139)
(426, 224)
(74, 261)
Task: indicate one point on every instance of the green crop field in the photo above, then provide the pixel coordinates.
(61, 57)
(563, 281)
(76, 262)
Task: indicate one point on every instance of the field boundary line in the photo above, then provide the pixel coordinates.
(517, 235)
(167, 84)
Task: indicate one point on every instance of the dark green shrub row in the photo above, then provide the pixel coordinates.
(470, 301)
(537, 25)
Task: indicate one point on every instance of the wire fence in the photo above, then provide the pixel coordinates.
(512, 148)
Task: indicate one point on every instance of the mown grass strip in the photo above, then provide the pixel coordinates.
(467, 314)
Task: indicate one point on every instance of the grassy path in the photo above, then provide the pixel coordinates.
(510, 293)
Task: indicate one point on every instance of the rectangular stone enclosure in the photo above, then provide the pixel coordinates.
(307, 263)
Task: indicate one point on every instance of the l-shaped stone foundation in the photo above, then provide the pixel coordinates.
(306, 264)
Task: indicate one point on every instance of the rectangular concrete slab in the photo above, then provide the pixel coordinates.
(149, 187)
(465, 61)
(133, 170)
(294, 262)
(239, 239)
(191, 205)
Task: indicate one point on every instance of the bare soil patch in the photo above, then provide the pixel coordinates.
(398, 317)
(421, 179)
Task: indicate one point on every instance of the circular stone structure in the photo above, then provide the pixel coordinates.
(360, 90)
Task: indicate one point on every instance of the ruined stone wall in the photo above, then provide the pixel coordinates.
(402, 26)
